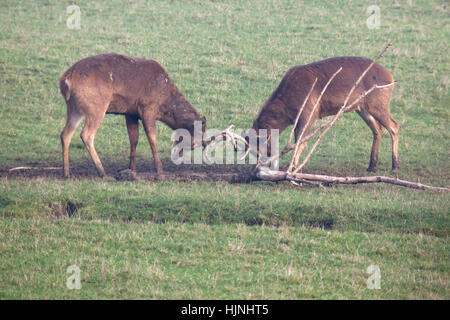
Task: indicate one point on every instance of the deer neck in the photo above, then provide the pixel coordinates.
(179, 113)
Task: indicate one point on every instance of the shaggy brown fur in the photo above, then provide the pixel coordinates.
(282, 107)
(137, 88)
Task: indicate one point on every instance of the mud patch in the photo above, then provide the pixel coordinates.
(64, 209)
(185, 176)
(145, 172)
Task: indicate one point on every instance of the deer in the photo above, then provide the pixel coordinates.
(139, 89)
(282, 107)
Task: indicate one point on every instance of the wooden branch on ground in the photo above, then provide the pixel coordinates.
(267, 174)
(34, 168)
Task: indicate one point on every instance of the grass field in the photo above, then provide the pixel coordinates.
(208, 240)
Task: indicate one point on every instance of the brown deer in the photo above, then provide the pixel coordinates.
(117, 84)
(281, 109)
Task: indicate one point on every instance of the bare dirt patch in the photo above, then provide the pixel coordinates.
(145, 171)
(64, 209)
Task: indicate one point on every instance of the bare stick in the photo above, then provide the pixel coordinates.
(300, 111)
(297, 146)
(34, 168)
(275, 175)
(291, 146)
(348, 108)
(369, 179)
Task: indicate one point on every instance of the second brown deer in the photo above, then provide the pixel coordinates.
(281, 109)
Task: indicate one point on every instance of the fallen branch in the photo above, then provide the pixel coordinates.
(34, 168)
(267, 174)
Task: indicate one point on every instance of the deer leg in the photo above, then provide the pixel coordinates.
(73, 120)
(133, 135)
(377, 131)
(378, 107)
(150, 131)
(392, 127)
(87, 135)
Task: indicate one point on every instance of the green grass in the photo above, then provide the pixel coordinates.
(146, 260)
(368, 209)
(207, 240)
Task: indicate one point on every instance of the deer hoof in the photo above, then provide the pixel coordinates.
(126, 175)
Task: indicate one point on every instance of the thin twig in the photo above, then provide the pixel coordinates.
(34, 168)
(300, 112)
(297, 146)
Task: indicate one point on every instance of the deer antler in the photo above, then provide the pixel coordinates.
(227, 134)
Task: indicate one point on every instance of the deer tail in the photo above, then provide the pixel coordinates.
(64, 86)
